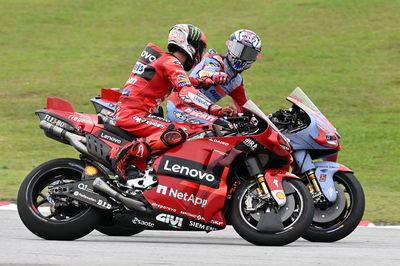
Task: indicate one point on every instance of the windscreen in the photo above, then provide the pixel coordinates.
(252, 107)
(301, 97)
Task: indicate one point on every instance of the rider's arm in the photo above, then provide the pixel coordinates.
(208, 72)
(180, 81)
(239, 97)
(197, 99)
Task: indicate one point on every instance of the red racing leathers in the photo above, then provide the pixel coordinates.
(214, 77)
(153, 77)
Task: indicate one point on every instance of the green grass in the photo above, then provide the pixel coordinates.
(343, 53)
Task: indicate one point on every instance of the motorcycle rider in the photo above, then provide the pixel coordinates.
(216, 76)
(153, 77)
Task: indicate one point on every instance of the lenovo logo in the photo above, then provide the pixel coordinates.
(190, 170)
(109, 137)
(149, 55)
(183, 170)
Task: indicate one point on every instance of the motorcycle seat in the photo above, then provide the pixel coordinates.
(109, 125)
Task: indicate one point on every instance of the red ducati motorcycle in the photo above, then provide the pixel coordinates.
(219, 176)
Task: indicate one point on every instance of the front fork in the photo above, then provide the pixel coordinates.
(306, 168)
(269, 182)
(255, 169)
(319, 175)
(313, 187)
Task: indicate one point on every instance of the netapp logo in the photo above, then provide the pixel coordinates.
(110, 137)
(180, 195)
(190, 170)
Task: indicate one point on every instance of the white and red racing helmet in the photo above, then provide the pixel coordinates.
(191, 40)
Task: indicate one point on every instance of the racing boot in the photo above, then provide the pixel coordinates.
(135, 152)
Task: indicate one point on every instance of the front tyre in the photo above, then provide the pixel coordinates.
(338, 220)
(295, 215)
(55, 217)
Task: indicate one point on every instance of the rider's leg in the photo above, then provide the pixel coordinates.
(157, 134)
(121, 157)
(140, 149)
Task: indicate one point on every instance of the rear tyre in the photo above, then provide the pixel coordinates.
(51, 217)
(343, 216)
(295, 215)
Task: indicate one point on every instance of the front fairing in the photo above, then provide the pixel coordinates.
(320, 134)
(272, 137)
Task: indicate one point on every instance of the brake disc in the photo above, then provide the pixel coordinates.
(284, 212)
(287, 210)
(328, 214)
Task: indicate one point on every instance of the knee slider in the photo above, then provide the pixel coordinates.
(172, 137)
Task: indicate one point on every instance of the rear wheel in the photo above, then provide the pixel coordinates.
(294, 217)
(55, 217)
(339, 219)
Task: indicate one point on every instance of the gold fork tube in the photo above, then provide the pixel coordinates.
(261, 181)
(311, 177)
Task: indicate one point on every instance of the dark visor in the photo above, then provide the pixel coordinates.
(243, 52)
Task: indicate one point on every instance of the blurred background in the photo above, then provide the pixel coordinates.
(345, 54)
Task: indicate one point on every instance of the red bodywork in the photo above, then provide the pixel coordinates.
(193, 175)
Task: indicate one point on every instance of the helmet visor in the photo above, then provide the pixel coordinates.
(242, 51)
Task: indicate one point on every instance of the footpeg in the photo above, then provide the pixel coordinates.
(132, 204)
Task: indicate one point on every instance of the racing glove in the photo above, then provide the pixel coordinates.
(219, 77)
(203, 82)
(221, 112)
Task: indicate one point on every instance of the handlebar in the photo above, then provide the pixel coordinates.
(244, 124)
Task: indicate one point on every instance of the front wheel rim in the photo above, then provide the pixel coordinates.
(345, 213)
(291, 211)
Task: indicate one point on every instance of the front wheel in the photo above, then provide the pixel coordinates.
(55, 217)
(336, 221)
(294, 217)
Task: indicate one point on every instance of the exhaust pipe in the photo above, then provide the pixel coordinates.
(78, 142)
(132, 204)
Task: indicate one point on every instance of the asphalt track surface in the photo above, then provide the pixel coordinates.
(365, 246)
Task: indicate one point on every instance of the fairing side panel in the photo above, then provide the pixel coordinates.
(196, 187)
